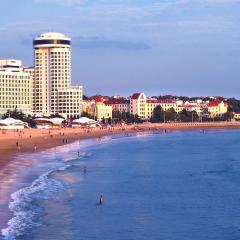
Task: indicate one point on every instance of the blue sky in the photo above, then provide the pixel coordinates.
(182, 47)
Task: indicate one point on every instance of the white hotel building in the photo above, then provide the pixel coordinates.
(15, 87)
(53, 92)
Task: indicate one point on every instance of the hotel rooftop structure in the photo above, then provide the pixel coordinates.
(52, 89)
(15, 87)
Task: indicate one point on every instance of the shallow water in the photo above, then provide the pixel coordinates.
(180, 185)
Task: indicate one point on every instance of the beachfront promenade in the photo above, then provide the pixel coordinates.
(13, 142)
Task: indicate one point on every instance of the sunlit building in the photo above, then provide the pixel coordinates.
(53, 92)
(217, 108)
(138, 105)
(15, 87)
(119, 105)
(97, 109)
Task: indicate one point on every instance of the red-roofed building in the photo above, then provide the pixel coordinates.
(217, 108)
(138, 105)
(165, 104)
(136, 95)
(97, 108)
(119, 105)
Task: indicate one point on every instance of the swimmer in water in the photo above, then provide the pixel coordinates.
(85, 170)
(101, 200)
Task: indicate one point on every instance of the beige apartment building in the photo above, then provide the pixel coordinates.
(138, 102)
(53, 92)
(15, 87)
(144, 107)
(118, 105)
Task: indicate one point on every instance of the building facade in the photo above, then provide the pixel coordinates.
(217, 108)
(53, 92)
(138, 105)
(164, 104)
(31, 71)
(144, 107)
(97, 109)
(119, 105)
(15, 87)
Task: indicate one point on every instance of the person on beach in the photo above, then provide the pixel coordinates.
(101, 200)
(78, 153)
(35, 146)
(17, 144)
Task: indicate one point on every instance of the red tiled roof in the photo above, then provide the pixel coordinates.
(99, 99)
(160, 101)
(135, 96)
(117, 101)
(191, 106)
(214, 103)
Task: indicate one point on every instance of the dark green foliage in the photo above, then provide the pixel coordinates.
(126, 117)
(109, 120)
(188, 116)
(170, 115)
(86, 114)
(85, 97)
(234, 105)
(158, 115)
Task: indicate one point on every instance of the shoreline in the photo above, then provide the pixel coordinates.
(13, 143)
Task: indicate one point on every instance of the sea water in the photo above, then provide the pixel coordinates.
(175, 185)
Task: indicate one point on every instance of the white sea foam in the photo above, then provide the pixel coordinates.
(24, 205)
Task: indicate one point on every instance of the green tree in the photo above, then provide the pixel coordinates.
(86, 114)
(158, 115)
(103, 120)
(131, 118)
(109, 120)
(188, 116)
(170, 115)
(117, 115)
(205, 116)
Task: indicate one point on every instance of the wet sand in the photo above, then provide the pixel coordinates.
(30, 140)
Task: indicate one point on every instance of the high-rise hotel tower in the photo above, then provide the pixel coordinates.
(53, 92)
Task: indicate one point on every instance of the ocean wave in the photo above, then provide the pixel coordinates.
(25, 205)
(85, 154)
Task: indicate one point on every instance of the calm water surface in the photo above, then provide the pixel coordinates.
(180, 185)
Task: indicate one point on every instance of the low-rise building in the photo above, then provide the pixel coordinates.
(138, 105)
(164, 104)
(217, 108)
(119, 105)
(98, 109)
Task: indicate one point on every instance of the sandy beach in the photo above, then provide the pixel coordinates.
(30, 140)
